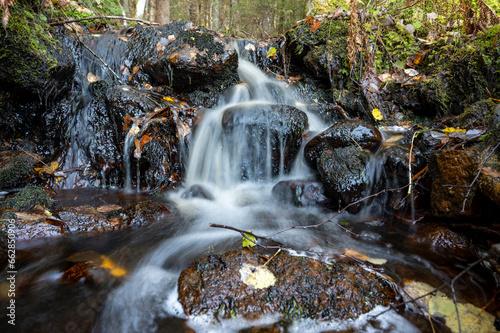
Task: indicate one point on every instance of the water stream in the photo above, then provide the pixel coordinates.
(239, 175)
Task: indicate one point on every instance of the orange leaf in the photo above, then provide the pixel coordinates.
(145, 139)
(126, 121)
(488, 171)
(135, 69)
(309, 19)
(315, 26)
(137, 144)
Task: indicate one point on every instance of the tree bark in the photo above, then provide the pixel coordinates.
(215, 15)
(162, 14)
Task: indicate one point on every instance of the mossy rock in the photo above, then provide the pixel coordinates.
(27, 199)
(15, 168)
(32, 61)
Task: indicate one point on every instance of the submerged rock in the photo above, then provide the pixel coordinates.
(300, 287)
(198, 191)
(342, 134)
(143, 213)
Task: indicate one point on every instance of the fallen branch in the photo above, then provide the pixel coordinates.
(103, 17)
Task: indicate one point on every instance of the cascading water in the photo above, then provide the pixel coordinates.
(238, 164)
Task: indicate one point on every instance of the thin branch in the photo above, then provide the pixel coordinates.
(97, 56)
(103, 17)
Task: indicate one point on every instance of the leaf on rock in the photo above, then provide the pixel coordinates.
(315, 25)
(50, 170)
(125, 39)
(113, 268)
(92, 78)
(449, 130)
(377, 114)
(271, 52)
(257, 277)
(249, 240)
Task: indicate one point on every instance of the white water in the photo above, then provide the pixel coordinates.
(150, 292)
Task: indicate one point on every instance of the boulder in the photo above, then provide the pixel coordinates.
(217, 285)
(85, 219)
(261, 131)
(194, 58)
(452, 172)
(15, 168)
(342, 134)
(301, 193)
(342, 172)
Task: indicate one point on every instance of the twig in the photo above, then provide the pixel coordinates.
(274, 255)
(103, 17)
(97, 56)
(477, 176)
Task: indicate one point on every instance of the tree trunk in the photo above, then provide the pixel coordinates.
(162, 14)
(215, 15)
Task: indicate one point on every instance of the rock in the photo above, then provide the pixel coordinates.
(303, 288)
(143, 213)
(197, 191)
(196, 57)
(489, 179)
(159, 158)
(27, 199)
(452, 172)
(15, 168)
(258, 128)
(342, 172)
(301, 193)
(342, 134)
(85, 219)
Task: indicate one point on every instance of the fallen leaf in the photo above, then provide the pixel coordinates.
(145, 139)
(361, 256)
(125, 39)
(271, 52)
(257, 277)
(249, 240)
(309, 19)
(472, 318)
(488, 171)
(92, 78)
(48, 169)
(411, 72)
(114, 269)
(315, 26)
(135, 69)
(377, 114)
(159, 47)
(449, 130)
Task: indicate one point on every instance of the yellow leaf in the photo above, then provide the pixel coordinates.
(249, 240)
(112, 267)
(271, 52)
(449, 130)
(48, 169)
(168, 99)
(377, 114)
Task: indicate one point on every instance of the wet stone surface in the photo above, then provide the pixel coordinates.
(304, 288)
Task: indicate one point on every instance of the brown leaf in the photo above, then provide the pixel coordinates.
(125, 39)
(126, 122)
(488, 171)
(159, 47)
(309, 19)
(145, 139)
(418, 58)
(315, 26)
(135, 69)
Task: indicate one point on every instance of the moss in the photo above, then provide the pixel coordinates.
(27, 199)
(16, 171)
(27, 50)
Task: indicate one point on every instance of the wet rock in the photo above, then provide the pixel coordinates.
(489, 179)
(36, 229)
(110, 210)
(15, 168)
(198, 191)
(85, 219)
(304, 288)
(196, 57)
(452, 172)
(342, 134)
(143, 213)
(27, 199)
(442, 240)
(158, 155)
(342, 172)
(301, 193)
(259, 128)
